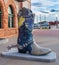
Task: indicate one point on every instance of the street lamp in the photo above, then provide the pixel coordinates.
(56, 17)
(56, 20)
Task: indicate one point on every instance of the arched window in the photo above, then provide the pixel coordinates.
(10, 17)
(0, 18)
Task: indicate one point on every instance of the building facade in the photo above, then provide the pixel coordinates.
(8, 16)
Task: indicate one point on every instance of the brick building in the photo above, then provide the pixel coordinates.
(8, 16)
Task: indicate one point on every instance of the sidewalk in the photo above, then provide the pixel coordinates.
(46, 41)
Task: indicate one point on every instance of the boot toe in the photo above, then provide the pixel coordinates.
(41, 51)
(44, 51)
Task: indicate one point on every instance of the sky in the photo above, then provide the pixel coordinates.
(46, 6)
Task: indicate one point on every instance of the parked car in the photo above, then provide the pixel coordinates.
(36, 26)
(45, 26)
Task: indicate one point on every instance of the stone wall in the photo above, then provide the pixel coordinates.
(5, 31)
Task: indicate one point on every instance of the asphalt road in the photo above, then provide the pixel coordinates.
(45, 38)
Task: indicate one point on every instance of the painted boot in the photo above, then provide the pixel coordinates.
(33, 49)
(37, 50)
(25, 38)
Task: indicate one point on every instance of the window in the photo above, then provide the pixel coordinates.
(0, 18)
(10, 17)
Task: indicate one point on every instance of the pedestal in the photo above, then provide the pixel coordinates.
(13, 53)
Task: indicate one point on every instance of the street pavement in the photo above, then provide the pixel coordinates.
(45, 38)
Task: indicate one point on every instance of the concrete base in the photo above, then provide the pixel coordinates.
(2, 40)
(13, 53)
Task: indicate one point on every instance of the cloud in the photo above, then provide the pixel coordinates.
(56, 6)
(34, 1)
(54, 0)
(45, 4)
(37, 4)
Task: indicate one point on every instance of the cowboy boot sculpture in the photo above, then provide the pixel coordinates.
(25, 40)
